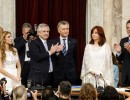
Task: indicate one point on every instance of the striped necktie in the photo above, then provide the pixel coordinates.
(64, 48)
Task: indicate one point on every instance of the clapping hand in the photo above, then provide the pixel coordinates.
(59, 47)
(53, 49)
(127, 46)
(117, 47)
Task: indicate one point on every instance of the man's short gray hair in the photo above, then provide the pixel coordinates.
(27, 25)
(62, 23)
(40, 26)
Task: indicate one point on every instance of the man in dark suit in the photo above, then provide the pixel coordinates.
(123, 55)
(65, 60)
(22, 45)
(41, 71)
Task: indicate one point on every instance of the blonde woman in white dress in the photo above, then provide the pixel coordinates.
(8, 61)
(97, 60)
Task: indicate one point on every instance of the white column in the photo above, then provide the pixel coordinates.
(107, 21)
(113, 20)
(94, 16)
(7, 15)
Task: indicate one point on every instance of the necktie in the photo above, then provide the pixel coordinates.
(129, 41)
(64, 48)
(46, 47)
(50, 62)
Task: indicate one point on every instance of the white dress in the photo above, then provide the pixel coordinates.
(99, 61)
(10, 66)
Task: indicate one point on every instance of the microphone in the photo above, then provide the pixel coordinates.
(103, 79)
(93, 74)
(100, 89)
(95, 79)
(86, 74)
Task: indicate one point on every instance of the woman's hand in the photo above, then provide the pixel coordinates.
(17, 79)
(117, 47)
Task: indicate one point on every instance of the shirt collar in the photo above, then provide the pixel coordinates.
(61, 38)
(42, 40)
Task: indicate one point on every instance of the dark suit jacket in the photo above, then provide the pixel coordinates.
(39, 61)
(125, 58)
(20, 45)
(65, 66)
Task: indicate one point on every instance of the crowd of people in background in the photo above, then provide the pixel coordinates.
(35, 61)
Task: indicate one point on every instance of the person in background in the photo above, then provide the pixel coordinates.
(88, 92)
(110, 93)
(22, 45)
(8, 61)
(3, 96)
(123, 55)
(66, 57)
(124, 94)
(64, 90)
(97, 64)
(116, 70)
(19, 93)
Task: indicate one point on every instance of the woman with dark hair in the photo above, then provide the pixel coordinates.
(87, 92)
(97, 61)
(110, 93)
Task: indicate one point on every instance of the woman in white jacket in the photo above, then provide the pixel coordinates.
(97, 61)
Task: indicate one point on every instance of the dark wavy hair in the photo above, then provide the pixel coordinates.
(100, 33)
(110, 93)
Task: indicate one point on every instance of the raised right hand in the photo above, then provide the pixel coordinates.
(117, 48)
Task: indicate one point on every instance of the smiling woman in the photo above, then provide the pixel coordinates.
(97, 60)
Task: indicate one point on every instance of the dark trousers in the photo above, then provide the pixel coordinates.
(25, 73)
(49, 80)
(37, 77)
(126, 82)
(57, 80)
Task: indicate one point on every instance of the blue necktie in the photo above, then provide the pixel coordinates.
(64, 48)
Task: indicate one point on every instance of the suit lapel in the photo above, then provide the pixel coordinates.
(41, 44)
(69, 44)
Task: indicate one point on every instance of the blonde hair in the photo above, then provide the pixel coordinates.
(2, 46)
(40, 26)
(20, 93)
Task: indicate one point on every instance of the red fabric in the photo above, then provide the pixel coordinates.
(51, 12)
